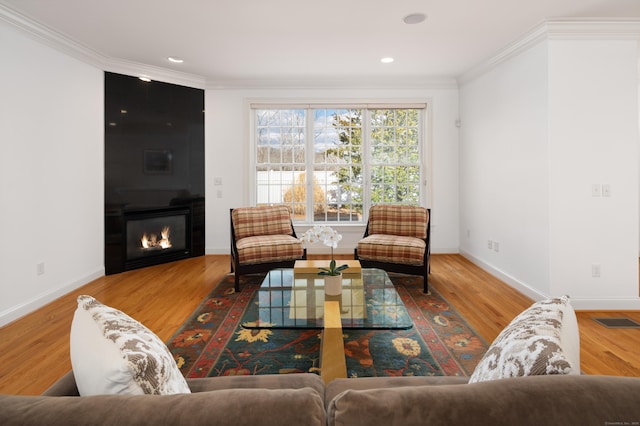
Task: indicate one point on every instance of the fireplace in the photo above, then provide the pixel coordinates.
(157, 236)
(137, 237)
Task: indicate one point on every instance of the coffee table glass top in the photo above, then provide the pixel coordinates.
(368, 301)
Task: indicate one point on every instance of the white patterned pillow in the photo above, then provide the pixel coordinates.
(111, 353)
(543, 339)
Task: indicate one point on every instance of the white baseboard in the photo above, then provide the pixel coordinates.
(606, 304)
(503, 276)
(577, 303)
(444, 250)
(16, 312)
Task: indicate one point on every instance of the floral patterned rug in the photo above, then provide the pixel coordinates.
(213, 343)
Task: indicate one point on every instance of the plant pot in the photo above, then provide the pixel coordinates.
(333, 284)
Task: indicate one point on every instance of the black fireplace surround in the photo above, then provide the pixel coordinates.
(154, 173)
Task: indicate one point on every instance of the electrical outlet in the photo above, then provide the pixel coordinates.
(595, 270)
(496, 246)
(489, 244)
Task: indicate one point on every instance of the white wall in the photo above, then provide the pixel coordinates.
(227, 156)
(51, 173)
(538, 130)
(504, 170)
(593, 138)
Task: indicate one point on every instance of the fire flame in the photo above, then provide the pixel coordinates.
(152, 241)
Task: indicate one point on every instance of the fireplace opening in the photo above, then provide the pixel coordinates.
(157, 236)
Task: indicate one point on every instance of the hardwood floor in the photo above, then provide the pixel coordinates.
(34, 350)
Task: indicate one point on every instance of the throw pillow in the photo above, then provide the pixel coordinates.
(111, 353)
(541, 340)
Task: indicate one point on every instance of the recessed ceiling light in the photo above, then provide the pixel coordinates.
(386, 60)
(175, 59)
(414, 18)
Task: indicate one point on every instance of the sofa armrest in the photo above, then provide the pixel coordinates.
(65, 386)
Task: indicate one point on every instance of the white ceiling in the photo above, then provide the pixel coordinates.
(236, 40)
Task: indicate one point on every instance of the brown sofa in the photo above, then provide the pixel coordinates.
(298, 399)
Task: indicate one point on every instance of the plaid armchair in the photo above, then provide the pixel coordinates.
(397, 240)
(262, 239)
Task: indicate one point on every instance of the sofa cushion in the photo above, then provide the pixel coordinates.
(337, 386)
(522, 401)
(261, 220)
(112, 353)
(259, 381)
(544, 339)
(392, 249)
(255, 407)
(268, 248)
(405, 221)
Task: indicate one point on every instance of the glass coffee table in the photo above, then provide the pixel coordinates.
(288, 300)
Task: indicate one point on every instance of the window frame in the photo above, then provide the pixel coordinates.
(425, 157)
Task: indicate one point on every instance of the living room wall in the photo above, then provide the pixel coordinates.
(228, 152)
(51, 173)
(568, 110)
(504, 170)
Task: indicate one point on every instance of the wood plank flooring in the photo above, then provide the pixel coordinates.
(34, 350)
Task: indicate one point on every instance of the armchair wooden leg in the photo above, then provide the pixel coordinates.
(237, 283)
(425, 277)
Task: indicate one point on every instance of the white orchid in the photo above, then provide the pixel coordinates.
(330, 238)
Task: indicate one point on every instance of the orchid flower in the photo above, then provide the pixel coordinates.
(330, 238)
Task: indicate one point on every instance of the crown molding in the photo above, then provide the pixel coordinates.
(122, 66)
(62, 43)
(50, 37)
(597, 28)
(404, 82)
(558, 29)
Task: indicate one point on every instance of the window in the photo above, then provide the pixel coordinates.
(329, 164)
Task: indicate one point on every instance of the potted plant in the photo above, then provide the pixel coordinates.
(329, 237)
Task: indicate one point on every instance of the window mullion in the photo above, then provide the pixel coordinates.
(309, 166)
(366, 164)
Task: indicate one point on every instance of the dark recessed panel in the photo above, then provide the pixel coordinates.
(154, 157)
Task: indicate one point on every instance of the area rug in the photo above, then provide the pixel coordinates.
(212, 341)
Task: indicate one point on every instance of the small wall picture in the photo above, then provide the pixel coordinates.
(157, 162)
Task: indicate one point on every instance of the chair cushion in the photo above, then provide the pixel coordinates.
(392, 249)
(406, 221)
(262, 220)
(268, 248)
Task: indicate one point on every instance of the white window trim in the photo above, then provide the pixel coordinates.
(426, 124)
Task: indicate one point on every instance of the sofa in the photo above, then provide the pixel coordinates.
(123, 374)
(303, 399)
